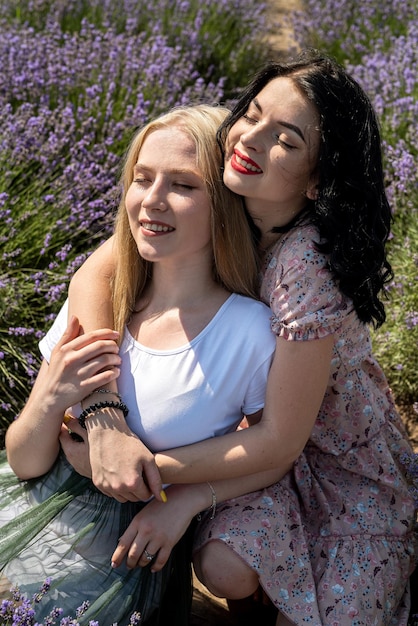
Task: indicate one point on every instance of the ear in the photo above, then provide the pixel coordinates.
(312, 188)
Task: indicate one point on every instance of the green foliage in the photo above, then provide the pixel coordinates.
(377, 42)
(396, 343)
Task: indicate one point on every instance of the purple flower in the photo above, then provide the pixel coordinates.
(82, 608)
(20, 331)
(411, 320)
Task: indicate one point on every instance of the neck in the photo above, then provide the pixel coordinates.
(180, 288)
(267, 216)
(176, 307)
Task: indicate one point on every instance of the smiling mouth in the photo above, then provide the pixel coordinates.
(244, 165)
(157, 228)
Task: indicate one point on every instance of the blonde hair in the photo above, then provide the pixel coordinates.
(235, 264)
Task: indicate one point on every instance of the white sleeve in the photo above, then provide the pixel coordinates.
(255, 397)
(54, 334)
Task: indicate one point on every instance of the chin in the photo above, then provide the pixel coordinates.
(232, 179)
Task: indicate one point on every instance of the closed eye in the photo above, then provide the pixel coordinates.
(285, 144)
(184, 186)
(140, 180)
(250, 120)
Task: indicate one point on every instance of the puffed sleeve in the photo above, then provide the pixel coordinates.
(304, 298)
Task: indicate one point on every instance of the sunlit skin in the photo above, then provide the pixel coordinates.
(167, 203)
(271, 154)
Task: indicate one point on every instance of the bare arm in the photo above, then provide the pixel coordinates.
(78, 365)
(121, 465)
(296, 386)
(89, 291)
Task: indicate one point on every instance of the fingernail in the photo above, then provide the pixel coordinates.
(113, 564)
(163, 495)
(67, 418)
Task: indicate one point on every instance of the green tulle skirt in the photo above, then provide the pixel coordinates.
(61, 527)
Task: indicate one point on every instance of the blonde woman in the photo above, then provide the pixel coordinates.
(186, 371)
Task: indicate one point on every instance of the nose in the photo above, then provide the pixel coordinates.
(251, 137)
(155, 198)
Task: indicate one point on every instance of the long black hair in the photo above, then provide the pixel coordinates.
(351, 212)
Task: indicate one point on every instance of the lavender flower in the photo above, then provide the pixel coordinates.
(37, 597)
(20, 611)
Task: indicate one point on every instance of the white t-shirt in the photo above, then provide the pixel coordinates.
(199, 390)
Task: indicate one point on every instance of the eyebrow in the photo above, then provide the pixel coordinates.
(288, 125)
(175, 171)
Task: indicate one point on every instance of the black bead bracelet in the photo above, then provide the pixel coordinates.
(101, 405)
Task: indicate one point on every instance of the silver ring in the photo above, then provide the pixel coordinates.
(148, 556)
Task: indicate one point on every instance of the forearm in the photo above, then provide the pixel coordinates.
(199, 497)
(77, 366)
(158, 527)
(32, 442)
(234, 456)
(235, 487)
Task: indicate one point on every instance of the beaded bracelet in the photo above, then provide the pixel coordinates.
(93, 408)
(212, 507)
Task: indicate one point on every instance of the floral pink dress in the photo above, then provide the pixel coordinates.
(333, 541)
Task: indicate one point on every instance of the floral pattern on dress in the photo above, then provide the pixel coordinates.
(333, 541)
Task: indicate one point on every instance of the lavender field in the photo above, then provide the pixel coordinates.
(78, 77)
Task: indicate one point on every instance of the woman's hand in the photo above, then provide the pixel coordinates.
(81, 364)
(123, 473)
(158, 527)
(122, 466)
(75, 445)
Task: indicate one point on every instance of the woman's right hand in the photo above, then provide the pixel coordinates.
(121, 465)
(118, 463)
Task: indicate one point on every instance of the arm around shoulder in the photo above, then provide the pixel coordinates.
(90, 291)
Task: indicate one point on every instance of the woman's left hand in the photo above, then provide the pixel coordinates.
(156, 529)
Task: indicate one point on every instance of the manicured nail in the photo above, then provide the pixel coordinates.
(163, 495)
(67, 418)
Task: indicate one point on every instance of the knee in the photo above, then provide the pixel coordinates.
(223, 572)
